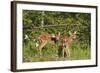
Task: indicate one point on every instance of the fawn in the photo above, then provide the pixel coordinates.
(44, 38)
(67, 42)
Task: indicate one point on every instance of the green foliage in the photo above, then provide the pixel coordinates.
(36, 22)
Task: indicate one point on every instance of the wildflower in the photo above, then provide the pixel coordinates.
(36, 44)
(26, 37)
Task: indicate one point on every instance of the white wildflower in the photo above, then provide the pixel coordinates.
(36, 44)
(26, 37)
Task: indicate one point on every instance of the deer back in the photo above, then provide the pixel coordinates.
(44, 37)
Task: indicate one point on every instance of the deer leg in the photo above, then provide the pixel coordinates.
(67, 51)
(41, 47)
(63, 52)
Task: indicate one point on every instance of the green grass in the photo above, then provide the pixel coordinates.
(80, 52)
(51, 52)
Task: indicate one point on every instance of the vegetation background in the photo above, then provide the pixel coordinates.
(35, 22)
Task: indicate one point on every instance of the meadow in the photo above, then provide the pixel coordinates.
(36, 22)
(80, 50)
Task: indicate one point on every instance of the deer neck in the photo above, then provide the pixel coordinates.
(70, 40)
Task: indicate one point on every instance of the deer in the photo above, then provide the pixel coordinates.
(45, 38)
(67, 42)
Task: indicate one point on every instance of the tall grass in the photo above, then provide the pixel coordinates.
(79, 51)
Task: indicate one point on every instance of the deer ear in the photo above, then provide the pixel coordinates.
(75, 32)
(59, 33)
(70, 33)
